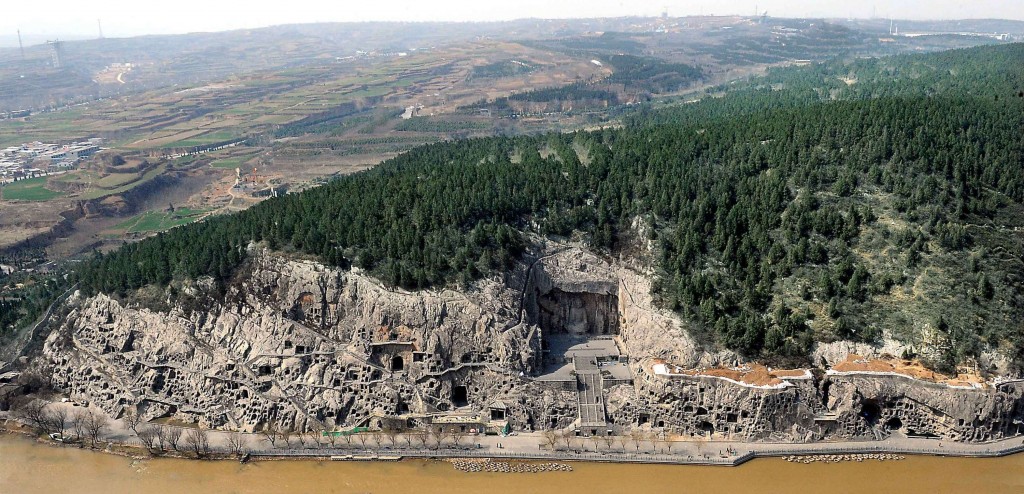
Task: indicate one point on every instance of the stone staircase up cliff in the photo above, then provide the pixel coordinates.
(589, 395)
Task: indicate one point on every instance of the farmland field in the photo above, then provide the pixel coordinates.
(154, 221)
(33, 189)
(232, 162)
(148, 176)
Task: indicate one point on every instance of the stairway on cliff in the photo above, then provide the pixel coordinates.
(590, 399)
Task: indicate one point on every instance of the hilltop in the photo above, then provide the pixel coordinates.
(883, 210)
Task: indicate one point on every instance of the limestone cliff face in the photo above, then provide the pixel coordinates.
(297, 344)
(822, 407)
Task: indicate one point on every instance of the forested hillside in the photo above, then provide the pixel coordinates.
(790, 211)
(993, 72)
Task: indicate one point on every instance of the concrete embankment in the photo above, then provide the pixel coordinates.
(725, 453)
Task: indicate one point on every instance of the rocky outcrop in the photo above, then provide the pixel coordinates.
(821, 407)
(296, 344)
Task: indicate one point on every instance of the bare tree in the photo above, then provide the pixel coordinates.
(301, 436)
(567, 439)
(198, 440)
(56, 418)
(149, 437)
(637, 436)
(362, 437)
(701, 441)
(550, 438)
(315, 435)
(238, 443)
(652, 439)
(392, 436)
(170, 436)
(441, 435)
(173, 436)
(95, 424)
(162, 433)
(78, 424)
(131, 418)
(607, 441)
(33, 411)
(622, 440)
(347, 437)
(435, 437)
(457, 436)
(423, 438)
(269, 432)
(332, 436)
(286, 436)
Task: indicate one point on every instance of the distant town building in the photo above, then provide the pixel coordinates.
(35, 159)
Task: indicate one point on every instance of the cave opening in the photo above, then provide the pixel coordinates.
(870, 411)
(707, 427)
(397, 363)
(575, 324)
(579, 314)
(460, 396)
(894, 424)
(158, 383)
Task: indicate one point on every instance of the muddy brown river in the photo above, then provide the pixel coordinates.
(27, 467)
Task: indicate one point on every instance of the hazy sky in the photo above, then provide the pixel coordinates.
(134, 17)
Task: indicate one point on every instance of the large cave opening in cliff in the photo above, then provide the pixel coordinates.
(870, 411)
(578, 314)
(575, 324)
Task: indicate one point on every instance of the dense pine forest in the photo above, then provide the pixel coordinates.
(851, 200)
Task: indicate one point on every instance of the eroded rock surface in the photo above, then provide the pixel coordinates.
(295, 344)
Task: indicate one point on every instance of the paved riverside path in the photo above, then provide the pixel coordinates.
(619, 449)
(725, 453)
(711, 453)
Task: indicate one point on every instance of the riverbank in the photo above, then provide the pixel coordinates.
(725, 454)
(29, 467)
(578, 449)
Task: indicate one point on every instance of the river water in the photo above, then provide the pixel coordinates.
(27, 467)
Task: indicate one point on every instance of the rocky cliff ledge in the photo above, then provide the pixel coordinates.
(564, 340)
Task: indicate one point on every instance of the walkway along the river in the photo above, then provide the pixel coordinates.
(725, 453)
